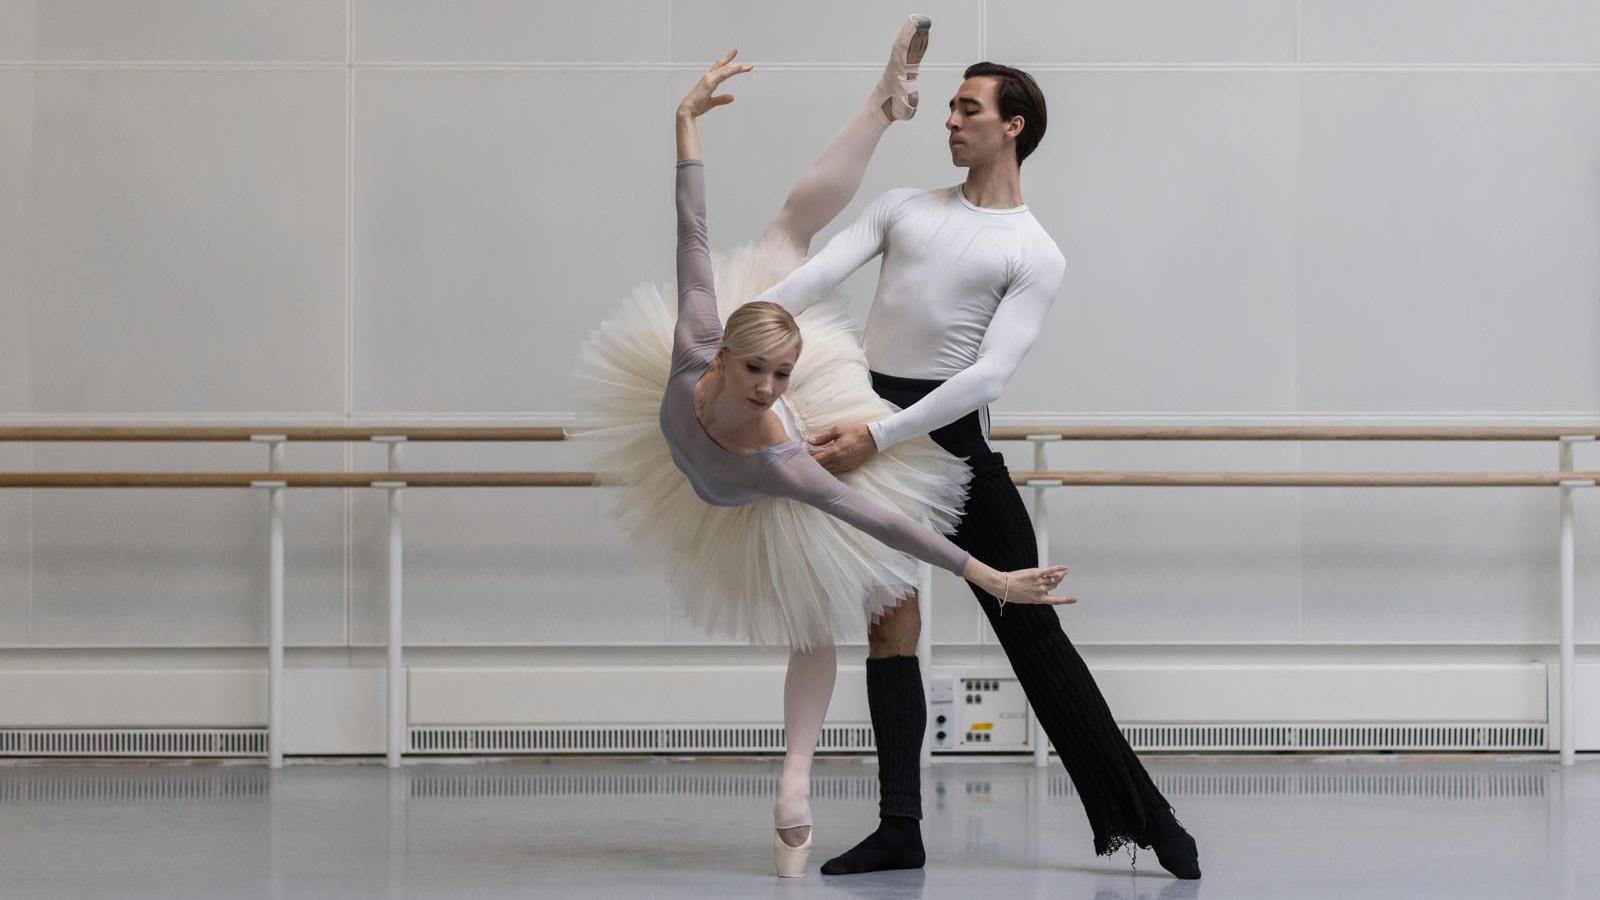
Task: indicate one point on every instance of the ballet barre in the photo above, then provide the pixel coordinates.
(1035, 479)
(413, 433)
(393, 480)
(382, 479)
(1289, 433)
(225, 433)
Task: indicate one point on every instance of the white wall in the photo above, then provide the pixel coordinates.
(320, 210)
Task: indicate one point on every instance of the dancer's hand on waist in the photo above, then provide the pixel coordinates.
(843, 447)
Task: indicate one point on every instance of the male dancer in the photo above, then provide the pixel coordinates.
(968, 276)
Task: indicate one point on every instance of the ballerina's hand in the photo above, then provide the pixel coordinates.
(700, 97)
(1034, 586)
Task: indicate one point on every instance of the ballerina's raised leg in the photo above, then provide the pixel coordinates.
(827, 187)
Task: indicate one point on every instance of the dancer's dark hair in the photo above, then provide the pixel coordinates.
(1019, 96)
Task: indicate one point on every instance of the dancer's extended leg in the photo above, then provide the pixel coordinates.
(835, 175)
(1122, 802)
(806, 691)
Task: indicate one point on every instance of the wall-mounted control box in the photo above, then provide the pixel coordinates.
(978, 711)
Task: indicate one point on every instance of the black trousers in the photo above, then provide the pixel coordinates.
(1116, 790)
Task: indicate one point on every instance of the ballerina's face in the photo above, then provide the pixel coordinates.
(756, 382)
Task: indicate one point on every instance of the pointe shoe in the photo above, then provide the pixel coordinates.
(898, 85)
(787, 861)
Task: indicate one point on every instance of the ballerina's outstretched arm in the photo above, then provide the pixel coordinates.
(699, 330)
(802, 478)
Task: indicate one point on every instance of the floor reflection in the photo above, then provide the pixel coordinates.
(1467, 779)
(1458, 827)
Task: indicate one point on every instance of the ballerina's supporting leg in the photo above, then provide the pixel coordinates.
(835, 175)
(806, 691)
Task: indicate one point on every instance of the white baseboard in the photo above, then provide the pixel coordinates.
(647, 695)
(705, 708)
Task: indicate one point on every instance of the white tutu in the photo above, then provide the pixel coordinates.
(776, 571)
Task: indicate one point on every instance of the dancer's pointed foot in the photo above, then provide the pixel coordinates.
(791, 812)
(897, 90)
(791, 818)
(791, 849)
(1174, 847)
(897, 844)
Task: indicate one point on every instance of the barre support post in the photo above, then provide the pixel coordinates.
(1041, 533)
(1569, 740)
(396, 719)
(275, 578)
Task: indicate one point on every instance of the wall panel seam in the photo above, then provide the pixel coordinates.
(348, 450)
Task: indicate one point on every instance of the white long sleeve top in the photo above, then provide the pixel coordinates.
(962, 295)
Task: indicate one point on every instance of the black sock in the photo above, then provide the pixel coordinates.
(899, 718)
(897, 844)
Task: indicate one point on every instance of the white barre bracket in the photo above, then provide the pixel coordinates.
(389, 485)
(269, 484)
(275, 444)
(1044, 437)
(1042, 482)
(395, 443)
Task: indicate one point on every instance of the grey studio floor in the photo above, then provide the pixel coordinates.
(1269, 827)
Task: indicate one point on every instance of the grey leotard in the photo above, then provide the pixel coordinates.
(722, 478)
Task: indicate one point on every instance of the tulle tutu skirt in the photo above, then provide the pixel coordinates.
(776, 571)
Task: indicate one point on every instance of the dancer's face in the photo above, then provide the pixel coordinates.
(756, 382)
(977, 133)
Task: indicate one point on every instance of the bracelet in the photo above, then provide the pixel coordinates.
(1005, 594)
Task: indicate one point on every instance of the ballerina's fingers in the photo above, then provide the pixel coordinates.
(724, 68)
(1040, 585)
(716, 76)
(700, 99)
(1044, 597)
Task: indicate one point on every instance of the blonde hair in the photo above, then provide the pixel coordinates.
(759, 328)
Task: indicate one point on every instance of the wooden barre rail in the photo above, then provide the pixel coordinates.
(53, 433)
(294, 479)
(590, 479)
(1291, 433)
(114, 433)
(1305, 479)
